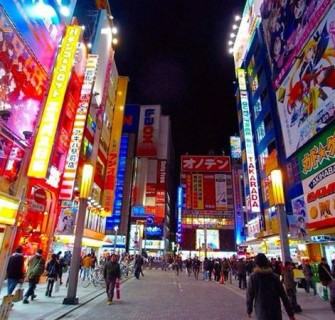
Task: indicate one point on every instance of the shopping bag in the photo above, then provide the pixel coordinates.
(117, 288)
(57, 286)
(18, 294)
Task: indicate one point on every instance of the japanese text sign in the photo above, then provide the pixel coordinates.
(205, 164)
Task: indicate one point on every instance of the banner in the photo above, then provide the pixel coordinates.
(148, 133)
(113, 152)
(197, 191)
(287, 25)
(209, 191)
(221, 191)
(297, 221)
(306, 97)
(205, 164)
(71, 165)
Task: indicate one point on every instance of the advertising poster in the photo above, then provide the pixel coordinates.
(235, 147)
(41, 24)
(23, 82)
(213, 241)
(221, 191)
(205, 164)
(306, 97)
(148, 132)
(287, 25)
(297, 221)
(198, 194)
(317, 170)
(209, 192)
(66, 221)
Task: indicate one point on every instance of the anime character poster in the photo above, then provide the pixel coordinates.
(287, 24)
(306, 99)
(41, 24)
(297, 221)
(23, 82)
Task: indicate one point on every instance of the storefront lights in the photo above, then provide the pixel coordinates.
(86, 181)
(277, 187)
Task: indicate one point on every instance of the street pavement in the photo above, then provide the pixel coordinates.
(156, 296)
(163, 295)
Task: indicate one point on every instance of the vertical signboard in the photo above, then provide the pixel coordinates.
(38, 166)
(148, 133)
(317, 171)
(113, 152)
(249, 144)
(71, 165)
(235, 147)
(188, 191)
(198, 195)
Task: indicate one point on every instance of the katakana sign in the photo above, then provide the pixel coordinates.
(205, 164)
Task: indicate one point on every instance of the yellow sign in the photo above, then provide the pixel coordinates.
(113, 152)
(38, 166)
(8, 210)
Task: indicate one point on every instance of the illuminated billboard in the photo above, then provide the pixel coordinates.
(23, 82)
(205, 164)
(287, 25)
(41, 24)
(235, 147)
(39, 163)
(148, 133)
(306, 97)
(249, 145)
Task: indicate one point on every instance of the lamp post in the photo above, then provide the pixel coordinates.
(279, 201)
(116, 228)
(85, 189)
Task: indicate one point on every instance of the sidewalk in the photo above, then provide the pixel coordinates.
(52, 308)
(313, 307)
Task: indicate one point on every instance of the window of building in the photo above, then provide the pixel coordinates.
(260, 132)
(262, 158)
(268, 122)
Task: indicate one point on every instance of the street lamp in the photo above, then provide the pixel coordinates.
(116, 228)
(85, 190)
(279, 201)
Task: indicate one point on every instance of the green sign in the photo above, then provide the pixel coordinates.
(318, 154)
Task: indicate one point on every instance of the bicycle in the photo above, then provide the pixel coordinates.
(95, 277)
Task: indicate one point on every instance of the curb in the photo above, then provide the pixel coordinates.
(62, 314)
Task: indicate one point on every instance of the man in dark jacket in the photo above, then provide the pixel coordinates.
(265, 291)
(242, 274)
(35, 269)
(138, 266)
(15, 272)
(112, 273)
(324, 272)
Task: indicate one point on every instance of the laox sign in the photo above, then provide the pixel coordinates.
(148, 129)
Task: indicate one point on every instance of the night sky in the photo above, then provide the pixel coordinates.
(175, 53)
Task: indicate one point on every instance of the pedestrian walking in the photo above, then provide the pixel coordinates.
(210, 268)
(15, 270)
(138, 266)
(241, 274)
(308, 275)
(196, 267)
(86, 266)
(327, 280)
(291, 286)
(112, 274)
(35, 269)
(189, 266)
(225, 268)
(205, 269)
(265, 291)
(53, 272)
(217, 270)
(62, 266)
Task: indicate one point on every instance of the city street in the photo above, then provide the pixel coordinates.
(163, 295)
